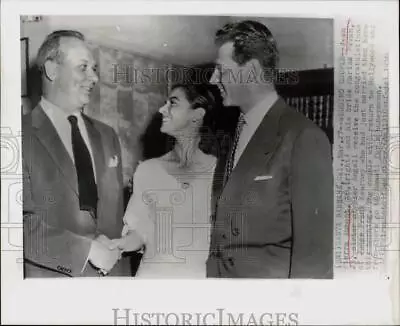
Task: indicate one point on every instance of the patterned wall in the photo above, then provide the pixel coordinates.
(131, 89)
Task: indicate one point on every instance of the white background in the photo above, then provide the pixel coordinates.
(351, 299)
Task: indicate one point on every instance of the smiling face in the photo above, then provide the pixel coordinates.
(178, 114)
(230, 77)
(76, 74)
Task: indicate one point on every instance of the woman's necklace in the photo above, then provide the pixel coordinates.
(186, 175)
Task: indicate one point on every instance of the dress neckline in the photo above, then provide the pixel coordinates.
(186, 177)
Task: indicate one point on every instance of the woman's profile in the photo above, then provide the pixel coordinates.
(168, 214)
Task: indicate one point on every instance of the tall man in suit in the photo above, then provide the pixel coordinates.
(273, 196)
(71, 169)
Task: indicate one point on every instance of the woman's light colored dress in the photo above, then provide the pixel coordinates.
(172, 215)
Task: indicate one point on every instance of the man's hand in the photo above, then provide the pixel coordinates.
(102, 256)
(129, 242)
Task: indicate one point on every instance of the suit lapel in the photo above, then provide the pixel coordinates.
(218, 180)
(48, 136)
(97, 147)
(259, 150)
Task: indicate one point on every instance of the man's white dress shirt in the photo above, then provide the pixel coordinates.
(253, 119)
(59, 119)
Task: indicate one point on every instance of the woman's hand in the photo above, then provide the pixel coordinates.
(131, 241)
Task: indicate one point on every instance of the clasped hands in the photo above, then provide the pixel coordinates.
(105, 252)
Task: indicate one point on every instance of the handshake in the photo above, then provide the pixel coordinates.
(105, 253)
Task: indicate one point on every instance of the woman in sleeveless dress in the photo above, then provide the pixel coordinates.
(168, 214)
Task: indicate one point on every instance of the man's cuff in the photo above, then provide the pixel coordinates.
(87, 259)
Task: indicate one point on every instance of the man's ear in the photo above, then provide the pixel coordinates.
(255, 65)
(254, 69)
(50, 69)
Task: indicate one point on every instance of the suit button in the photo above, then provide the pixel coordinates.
(235, 232)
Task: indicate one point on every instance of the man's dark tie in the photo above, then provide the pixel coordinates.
(231, 159)
(84, 169)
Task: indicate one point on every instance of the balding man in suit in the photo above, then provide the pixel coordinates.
(73, 200)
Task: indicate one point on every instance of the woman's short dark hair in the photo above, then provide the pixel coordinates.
(208, 97)
(204, 96)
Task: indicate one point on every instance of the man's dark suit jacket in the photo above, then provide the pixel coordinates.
(280, 226)
(57, 236)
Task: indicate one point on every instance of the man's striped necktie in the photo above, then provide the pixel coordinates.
(231, 159)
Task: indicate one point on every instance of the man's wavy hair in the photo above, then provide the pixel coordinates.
(251, 40)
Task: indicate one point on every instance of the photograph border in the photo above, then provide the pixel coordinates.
(24, 66)
(351, 299)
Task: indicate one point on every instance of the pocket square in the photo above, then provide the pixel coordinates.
(113, 161)
(263, 177)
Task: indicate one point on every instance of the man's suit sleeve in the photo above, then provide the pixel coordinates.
(123, 267)
(46, 246)
(312, 206)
